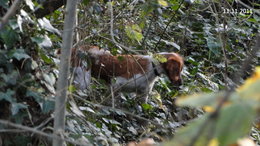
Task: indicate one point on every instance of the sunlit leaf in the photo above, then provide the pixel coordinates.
(30, 4)
(208, 109)
(74, 108)
(45, 23)
(213, 86)
(162, 3)
(213, 142)
(46, 59)
(88, 109)
(72, 88)
(49, 78)
(175, 7)
(134, 32)
(19, 22)
(160, 58)
(146, 106)
(254, 78)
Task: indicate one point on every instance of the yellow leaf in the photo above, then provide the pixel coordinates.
(163, 3)
(251, 80)
(208, 109)
(213, 142)
(72, 88)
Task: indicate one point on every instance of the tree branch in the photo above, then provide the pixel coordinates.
(62, 84)
(10, 13)
(34, 130)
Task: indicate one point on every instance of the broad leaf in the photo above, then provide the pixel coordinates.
(134, 32)
(47, 106)
(8, 96)
(9, 36)
(162, 3)
(16, 107)
(234, 122)
(10, 79)
(200, 100)
(20, 54)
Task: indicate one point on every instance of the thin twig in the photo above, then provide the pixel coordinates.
(223, 43)
(112, 28)
(10, 13)
(148, 30)
(34, 130)
(168, 24)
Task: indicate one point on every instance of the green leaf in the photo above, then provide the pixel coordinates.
(4, 4)
(192, 61)
(160, 58)
(47, 106)
(252, 20)
(9, 36)
(37, 40)
(213, 45)
(162, 3)
(49, 78)
(10, 79)
(8, 96)
(30, 4)
(16, 107)
(20, 54)
(85, 2)
(46, 59)
(13, 24)
(234, 122)
(134, 32)
(175, 7)
(37, 96)
(72, 88)
(147, 106)
(200, 100)
(251, 91)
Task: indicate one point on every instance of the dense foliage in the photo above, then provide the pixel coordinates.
(213, 41)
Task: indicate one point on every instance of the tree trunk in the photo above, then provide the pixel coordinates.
(62, 85)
